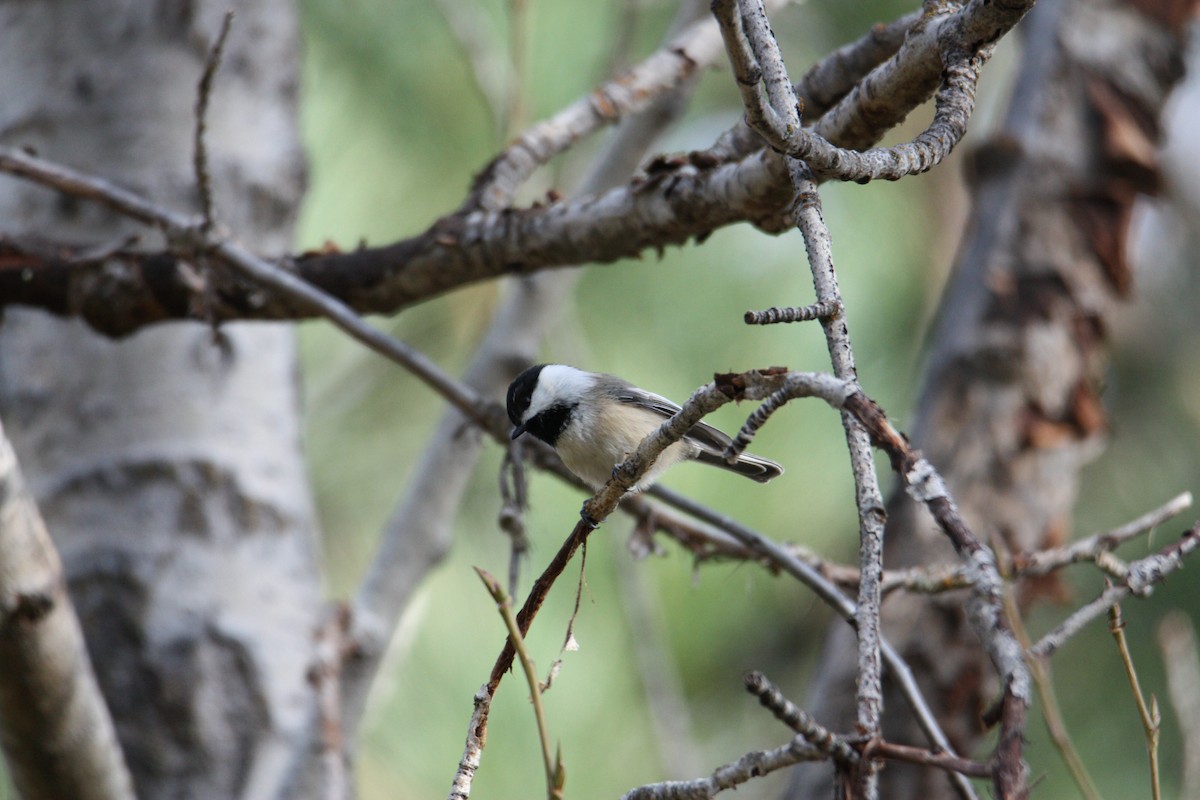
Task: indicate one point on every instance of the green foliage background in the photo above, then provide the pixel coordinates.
(395, 129)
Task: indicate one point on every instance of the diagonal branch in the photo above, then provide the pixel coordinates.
(55, 729)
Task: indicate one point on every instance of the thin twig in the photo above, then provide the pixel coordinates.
(1039, 670)
(955, 765)
(1091, 548)
(1148, 712)
(554, 771)
(752, 765)
(799, 720)
(898, 669)
(1143, 575)
(985, 609)
(199, 146)
(868, 498)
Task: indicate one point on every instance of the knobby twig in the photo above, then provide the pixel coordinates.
(1147, 712)
(817, 735)
(771, 316)
(555, 775)
(755, 58)
(986, 608)
(845, 752)
(815, 743)
(780, 556)
(868, 498)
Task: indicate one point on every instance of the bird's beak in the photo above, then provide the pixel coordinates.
(517, 431)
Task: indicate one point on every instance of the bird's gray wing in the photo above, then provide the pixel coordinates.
(706, 436)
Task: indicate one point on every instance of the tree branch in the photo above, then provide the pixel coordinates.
(55, 729)
(678, 201)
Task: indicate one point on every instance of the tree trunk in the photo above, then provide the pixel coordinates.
(168, 466)
(1010, 411)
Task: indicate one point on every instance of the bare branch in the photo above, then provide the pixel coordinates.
(1143, 575)
(1147, 711)
(57, 734)
(515, 638)
(1094, 547)
(868, 499)
(817, 735)
(1039, 671)
(260, 271)
(669, 207)
(692, 49)
(730, 776)
(898, 670)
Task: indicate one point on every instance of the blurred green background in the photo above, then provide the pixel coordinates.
(395, 128)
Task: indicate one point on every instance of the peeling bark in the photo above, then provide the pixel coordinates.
(1010, 411)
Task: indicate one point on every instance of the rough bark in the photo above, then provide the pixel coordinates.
(1010, 411)
(168, 466)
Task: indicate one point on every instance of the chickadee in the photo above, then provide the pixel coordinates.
(595, 421)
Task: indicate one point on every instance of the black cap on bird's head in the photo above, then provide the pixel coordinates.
(520, 394)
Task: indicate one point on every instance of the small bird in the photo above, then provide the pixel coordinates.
(595, 421)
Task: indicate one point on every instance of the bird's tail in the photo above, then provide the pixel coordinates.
(753, 467)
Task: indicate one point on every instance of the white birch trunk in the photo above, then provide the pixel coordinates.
(168, 467)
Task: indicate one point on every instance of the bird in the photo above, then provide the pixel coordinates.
(594, 421)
